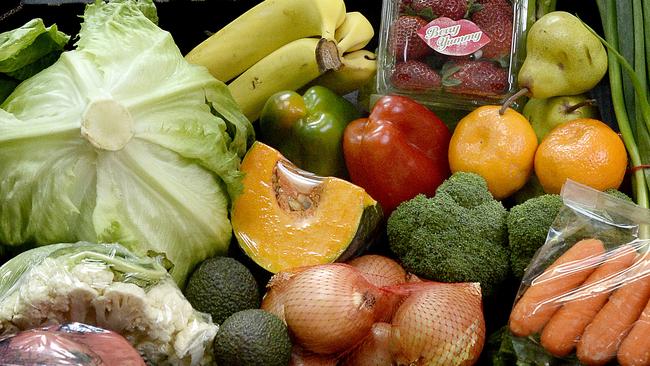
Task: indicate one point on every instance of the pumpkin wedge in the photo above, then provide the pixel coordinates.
(286, 217)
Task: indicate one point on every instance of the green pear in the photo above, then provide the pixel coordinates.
(546, 114)
(562, 57)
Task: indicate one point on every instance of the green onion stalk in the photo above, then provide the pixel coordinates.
(629, 40)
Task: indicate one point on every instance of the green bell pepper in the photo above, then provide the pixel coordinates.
(308, 129)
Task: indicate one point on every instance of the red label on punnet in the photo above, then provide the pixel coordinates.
(453, 37)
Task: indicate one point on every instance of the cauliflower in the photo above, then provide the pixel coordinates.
(107, 286)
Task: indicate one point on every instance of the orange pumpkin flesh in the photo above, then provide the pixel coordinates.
(286, 217)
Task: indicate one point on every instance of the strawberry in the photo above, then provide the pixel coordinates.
(404, 39)
(495, 19)
(454, 9)
(474, 77)
(489, 3)
(415, 75)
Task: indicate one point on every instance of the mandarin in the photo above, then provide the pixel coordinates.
(498, 147)
(585, 150)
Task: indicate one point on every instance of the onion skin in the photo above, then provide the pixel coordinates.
(330, 308)
(410, 277)
(379, 270)
(300, 357)
(374, 350)
(382, 272)
(273, 300)
(439, 324)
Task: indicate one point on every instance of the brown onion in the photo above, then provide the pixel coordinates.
(411, 277)
(300, 357)
(439, 324)
(273, 300)
(330, 308)
(379, 270)
(374, 350)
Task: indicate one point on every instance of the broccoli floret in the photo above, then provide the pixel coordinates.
(530, 221)
(618, 194)
(459, 235)
(528, 225)
(467, 189)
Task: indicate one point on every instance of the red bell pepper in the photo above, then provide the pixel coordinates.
(399, 151)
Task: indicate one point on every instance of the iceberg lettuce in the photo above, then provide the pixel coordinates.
(122, 140)
(26, 50)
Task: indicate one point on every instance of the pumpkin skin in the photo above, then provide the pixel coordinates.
(286, 217)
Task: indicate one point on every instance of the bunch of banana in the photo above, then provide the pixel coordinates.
(286, 44)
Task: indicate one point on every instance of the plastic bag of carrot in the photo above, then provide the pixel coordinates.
(585, 297)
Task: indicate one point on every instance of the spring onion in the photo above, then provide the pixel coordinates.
(632, 110)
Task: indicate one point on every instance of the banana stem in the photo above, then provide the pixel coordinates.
(327, 56)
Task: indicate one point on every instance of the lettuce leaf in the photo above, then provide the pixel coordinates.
(122, 140)
(29, 43)
(27, 50)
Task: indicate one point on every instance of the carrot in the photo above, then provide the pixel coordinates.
(561, 333)
(602, 337)
(538, 303)
(635, 348)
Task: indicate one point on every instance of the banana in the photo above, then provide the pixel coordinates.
(355, 32)
(357, 70)
(288, 68)
(262, 30)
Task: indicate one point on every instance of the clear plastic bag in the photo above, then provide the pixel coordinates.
(585, 297)
(73, 344)
(108, 286)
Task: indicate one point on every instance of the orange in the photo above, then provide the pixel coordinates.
(584, 150)
(500, 148)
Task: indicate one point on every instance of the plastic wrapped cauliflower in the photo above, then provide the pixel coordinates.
(110, 287)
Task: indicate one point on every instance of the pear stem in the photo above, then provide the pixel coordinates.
(575, 107)
(512, 99)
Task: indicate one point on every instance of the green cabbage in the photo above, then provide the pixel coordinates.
(122, 140)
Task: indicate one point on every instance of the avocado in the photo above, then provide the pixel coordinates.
(222, 286)
(252, 337)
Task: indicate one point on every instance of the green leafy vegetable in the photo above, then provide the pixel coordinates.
(27, 44)
(27, 50)
(7, 85)
(122, 140)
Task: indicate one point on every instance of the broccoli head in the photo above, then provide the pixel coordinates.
(528, 225)
(459, 235)
(530, 221)
(618, 194)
